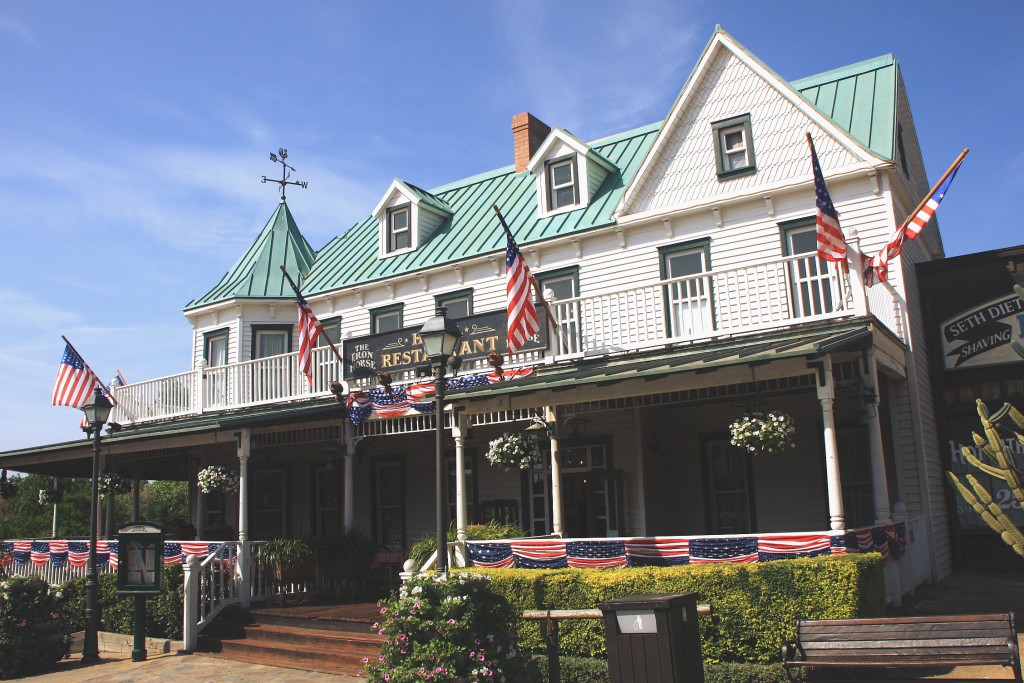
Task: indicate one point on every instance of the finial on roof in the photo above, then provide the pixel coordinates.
(286, 172)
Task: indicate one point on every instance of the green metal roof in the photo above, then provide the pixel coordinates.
(703, 356)
(473, 229)
(258, 273)
(860, 99)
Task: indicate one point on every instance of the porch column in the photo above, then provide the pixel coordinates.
(136, 502)
(551, 415)
(459, 429)
(200, 514)
(244, 569)
(879, 479)
(349, 512)
(827, 397)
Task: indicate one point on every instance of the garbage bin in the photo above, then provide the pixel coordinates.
(653, 638)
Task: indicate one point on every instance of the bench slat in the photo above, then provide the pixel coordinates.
(891, 645)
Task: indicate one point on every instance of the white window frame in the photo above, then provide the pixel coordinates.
(391, 238)
(721, 131)
(553, 188)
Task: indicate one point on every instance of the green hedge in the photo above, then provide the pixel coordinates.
(164, 612)
(754, 606)
(584, 670)
(32, 637)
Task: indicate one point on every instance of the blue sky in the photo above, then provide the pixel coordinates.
(136, 133)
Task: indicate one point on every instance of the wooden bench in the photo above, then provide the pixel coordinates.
(905, 642)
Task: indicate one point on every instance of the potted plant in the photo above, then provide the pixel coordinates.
(112, 484)
(512, 451)
(759, 432)
(289, 560)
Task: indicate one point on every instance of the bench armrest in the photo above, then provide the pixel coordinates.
(790, 651)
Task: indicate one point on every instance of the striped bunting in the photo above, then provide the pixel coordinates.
(657, 552)
(588, 554)
(491, 555)
(790, 547)
(706, 550)
(546, 554)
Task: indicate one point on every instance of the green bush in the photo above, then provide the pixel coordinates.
(425, 547)
(754, 606)
(164, 612)
(31, 633)
(593, 670)
(447, 629)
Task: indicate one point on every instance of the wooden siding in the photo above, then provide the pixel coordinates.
(685, 171)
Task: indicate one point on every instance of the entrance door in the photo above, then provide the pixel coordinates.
(388, 505)
(268, 504)
(729, 491)
(689, 301)
(855, 472)
(589, 494)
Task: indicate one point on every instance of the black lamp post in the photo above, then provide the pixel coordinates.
(97, 410)
(440, 337)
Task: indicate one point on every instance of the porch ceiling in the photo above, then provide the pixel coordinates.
(635, 373)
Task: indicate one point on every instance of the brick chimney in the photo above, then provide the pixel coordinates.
(528, 132)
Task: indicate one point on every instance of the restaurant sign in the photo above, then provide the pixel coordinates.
(984, 334)
(403, 350)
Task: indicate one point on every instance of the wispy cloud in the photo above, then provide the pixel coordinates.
(19, 32)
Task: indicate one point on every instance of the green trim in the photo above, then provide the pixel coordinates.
(574, 271)
(330, 325)
(549, 181)
(440, 299)
(208, 336)
(376, 313)
(702, 244)
(716, 128)
(389, 247)
(287, 329)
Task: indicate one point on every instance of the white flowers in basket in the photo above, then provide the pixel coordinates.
(112, 484)
(217, 478)
(763, 432)
(511, 451)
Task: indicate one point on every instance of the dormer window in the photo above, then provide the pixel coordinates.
(399, 228)
(562, 183)
(734, 147)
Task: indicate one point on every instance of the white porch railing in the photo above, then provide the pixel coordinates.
(763, 296)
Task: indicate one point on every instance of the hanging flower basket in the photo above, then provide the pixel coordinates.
(759, 432)
(512, 451)
(112, 484)
(49, 496)
(217, 478)
(8, 489)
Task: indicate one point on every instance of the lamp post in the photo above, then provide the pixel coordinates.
(97, 410)
(440, 337)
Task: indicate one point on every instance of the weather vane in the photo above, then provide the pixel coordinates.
(286, 172)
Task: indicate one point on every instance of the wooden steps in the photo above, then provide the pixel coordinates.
(329, 639)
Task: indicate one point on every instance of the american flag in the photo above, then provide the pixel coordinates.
(522, 314)
(309, 330)
(75, 380)
(878, 269)
(831, 243)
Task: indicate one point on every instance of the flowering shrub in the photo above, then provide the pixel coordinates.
(763, 432)
(112, 484)
(31, 637)
(511, 451)
(217, 478)
(451, 629)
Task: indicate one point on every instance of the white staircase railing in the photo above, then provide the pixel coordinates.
(223, 578)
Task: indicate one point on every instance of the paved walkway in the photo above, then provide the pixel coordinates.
(118, 667)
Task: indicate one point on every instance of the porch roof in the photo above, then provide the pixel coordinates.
(760, 348)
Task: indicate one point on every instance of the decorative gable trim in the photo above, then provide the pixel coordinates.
(423, 215)
(722, 41)
(563, 159)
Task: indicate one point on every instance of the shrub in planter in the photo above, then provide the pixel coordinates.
(290, 560)
(31, 635)
(447, 628)
(426, 546)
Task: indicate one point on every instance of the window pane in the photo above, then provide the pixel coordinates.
(736, 160)
(803, 242)
(217, 350)
(270, 344)
(561, 287)
(332, 331)
(399, 220)
(686, 263)
(734, 140)
(565, 197)
(457, 307)
(561, 174)
(387, 322)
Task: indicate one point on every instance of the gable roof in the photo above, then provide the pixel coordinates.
(860, 99)
(472, 229)
(413, 193)
(721, 43)
(258, 273)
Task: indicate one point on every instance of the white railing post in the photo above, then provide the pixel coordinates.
(242, 564)
(190, 627)
(200, 383)
(853, 261)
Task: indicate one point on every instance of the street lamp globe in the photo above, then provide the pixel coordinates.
(96, 409)
(440, 337)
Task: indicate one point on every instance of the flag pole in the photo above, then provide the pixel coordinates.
(109, 392)
(536, 289)
(935, 188)
(295, 287)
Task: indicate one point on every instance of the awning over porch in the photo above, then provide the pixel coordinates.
(607, 376)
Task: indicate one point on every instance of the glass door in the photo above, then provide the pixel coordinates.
(729, 492)
(814, 287)
(589, 495)
(689, 300)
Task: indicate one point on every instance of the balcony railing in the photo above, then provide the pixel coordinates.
(767, 295)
